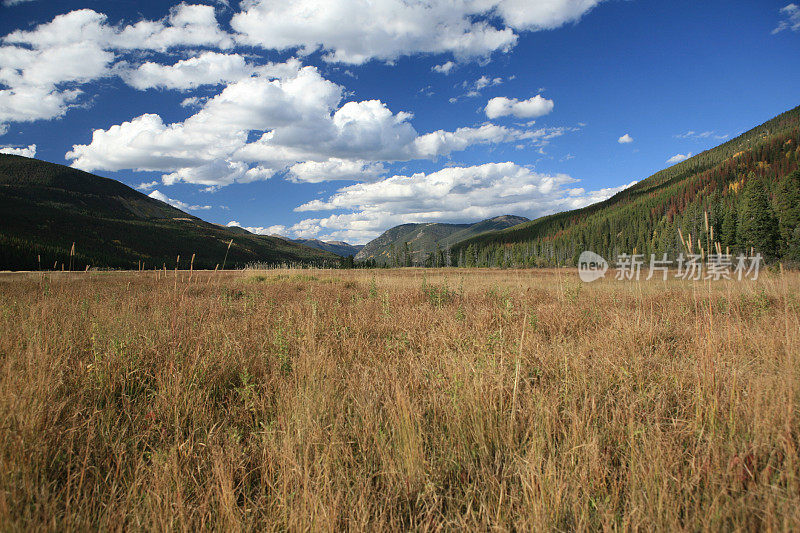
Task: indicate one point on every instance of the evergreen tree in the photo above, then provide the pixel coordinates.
(757, 223)
(728, 231)
(470, 256)
(407, 255)
(787, 207)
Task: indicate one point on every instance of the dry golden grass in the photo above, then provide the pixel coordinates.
(452, 399)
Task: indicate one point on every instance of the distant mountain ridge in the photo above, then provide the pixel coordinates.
(426, 243)
(339, 248)
(45, 208)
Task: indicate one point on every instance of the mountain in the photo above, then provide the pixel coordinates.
(417, 244)
(45, 208)
(490, 224)
(743, 194)
(339, 248)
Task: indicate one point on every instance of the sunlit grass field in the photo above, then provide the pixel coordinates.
(397, 399)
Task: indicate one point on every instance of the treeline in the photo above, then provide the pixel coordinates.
(22, 254)
(406, 255)
(743, 195)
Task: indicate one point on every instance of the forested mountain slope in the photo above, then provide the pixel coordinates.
(426, 243)
(747, 189)
(45, 208)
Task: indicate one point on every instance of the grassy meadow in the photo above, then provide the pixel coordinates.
(397, 399)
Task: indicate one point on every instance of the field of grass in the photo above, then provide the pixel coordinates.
(397, 399)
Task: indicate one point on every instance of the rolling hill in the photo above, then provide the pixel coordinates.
(45, 208)
(743, 194)
(418, 244)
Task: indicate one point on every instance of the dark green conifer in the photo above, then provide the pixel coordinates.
(787, 207)
(757, 224)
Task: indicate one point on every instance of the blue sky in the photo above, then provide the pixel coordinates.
(338, 119)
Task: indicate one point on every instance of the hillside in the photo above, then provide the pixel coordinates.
(747, 189)
(339, 248)
(419, 244)
(45, 208)
(490, 224)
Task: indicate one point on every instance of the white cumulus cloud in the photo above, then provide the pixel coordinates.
(625, 139)
(41, 83)
(442, 142)
(444, 68)
(454, 194)
(41, 70)
(335, 169)
(356, 31)
(29, 151)
(276, 230)
(530, 108)
(208, 68)
(677, 158)
(183, 206)
(186, 25)
(287, 117)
